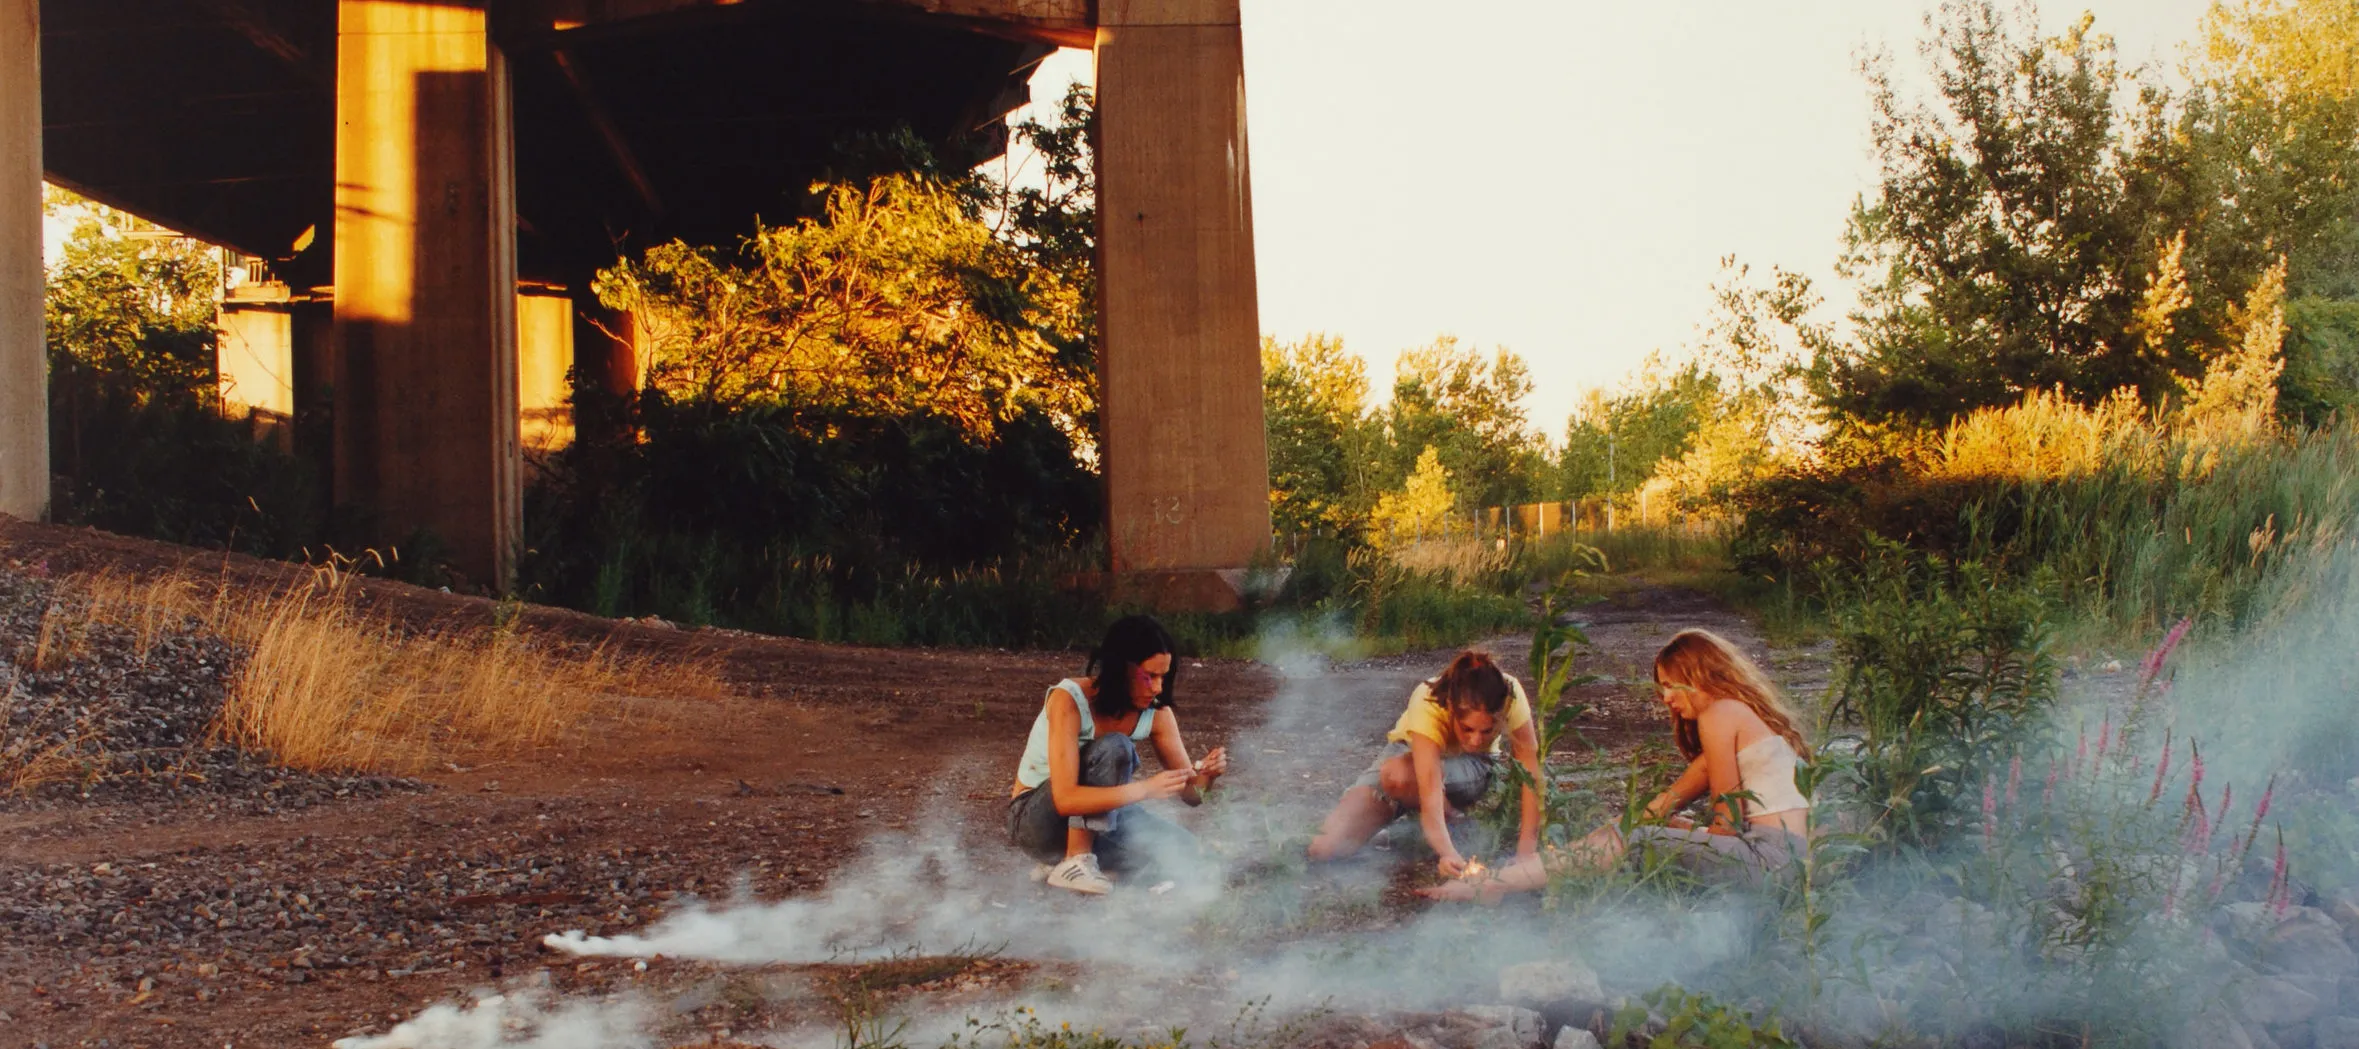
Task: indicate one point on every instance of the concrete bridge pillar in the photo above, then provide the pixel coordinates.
(1185, 458)
(24, 366)
(425, 325)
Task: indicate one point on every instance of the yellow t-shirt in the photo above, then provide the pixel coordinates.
(1428, 718)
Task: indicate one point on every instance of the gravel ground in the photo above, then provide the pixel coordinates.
(90, 713)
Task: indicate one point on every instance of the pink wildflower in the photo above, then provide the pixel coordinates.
(2280, 894)
(2154, 659)
(2048, 790)
(2195, 763)
(2014, 777)
(2254, 834)
(2080, 753)
(2104, 737)
(1990, 810)
(2227, 794)
(2162, 768)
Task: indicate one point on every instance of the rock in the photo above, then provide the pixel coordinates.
(2335, 1032)
(1497, 1038)
(1524, 1028)
(1580, 1038)
(1579, 1012)
(2309, 941)
(1536, 984)
(2213, 1028)
(2275, 1001)
(2344, 909)
(2247, 922)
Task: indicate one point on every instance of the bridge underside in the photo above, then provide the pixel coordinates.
(407, 165)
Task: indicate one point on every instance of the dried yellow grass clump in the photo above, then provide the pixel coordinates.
(327, 686)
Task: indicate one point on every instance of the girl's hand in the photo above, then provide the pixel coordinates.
(1451, 864)
(1212, 765)
(1165, 784)
(1680, 823)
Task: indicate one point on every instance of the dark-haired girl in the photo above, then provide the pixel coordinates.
(1076, 807)
(1440, 757)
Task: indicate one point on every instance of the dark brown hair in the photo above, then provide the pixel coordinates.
(1471, 682)
(1130, 641)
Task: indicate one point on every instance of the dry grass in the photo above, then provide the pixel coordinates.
(326, 686)
(1465, 557)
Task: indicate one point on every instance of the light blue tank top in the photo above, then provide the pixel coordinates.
(1033, 770)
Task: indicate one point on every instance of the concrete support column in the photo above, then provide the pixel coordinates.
(24, 365)
(426, 371)
(544, 354)
(1187, 466)
(254, 359)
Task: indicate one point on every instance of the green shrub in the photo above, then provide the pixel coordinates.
(1942, 671)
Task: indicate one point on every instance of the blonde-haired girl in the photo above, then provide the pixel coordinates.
(1739, 738)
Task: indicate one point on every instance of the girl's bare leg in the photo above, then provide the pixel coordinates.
(1079, 840)
(1356, 818)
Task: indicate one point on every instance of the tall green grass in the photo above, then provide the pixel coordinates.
(2139, 521)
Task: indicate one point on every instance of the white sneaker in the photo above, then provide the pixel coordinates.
(1080, 874)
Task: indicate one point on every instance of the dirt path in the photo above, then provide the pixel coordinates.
(133, 925)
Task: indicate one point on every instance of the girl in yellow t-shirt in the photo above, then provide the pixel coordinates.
(1439, 758)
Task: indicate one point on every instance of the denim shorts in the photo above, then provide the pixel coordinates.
(1465, 777)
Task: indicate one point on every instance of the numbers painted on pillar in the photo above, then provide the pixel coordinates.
(1169, 510)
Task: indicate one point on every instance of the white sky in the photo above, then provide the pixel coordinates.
(1562, 179)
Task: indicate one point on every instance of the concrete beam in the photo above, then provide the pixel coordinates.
(425, 380)
(1065, 23)
(1187, 467)
(24, 365)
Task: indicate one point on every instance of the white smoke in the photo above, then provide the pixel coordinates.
(525, 1018)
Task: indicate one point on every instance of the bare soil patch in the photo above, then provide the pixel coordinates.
(185, 919)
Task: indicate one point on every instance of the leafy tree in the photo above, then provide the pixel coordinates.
(130, 302)
(2267, 155)
(895, 299)
(1421, 507)
(923, 339)
(1468, 407)
(1054, 224)
(2011, 234)
(1613, 443)
(1321, 441)
(138, 442)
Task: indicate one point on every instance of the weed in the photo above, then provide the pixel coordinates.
(1694, 1020)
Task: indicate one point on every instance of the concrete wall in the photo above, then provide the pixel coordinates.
(1187, 469)
(24, 368)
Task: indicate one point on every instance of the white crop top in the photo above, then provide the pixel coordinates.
(1766, 767)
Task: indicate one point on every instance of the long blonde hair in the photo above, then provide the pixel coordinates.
(1713, 666)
